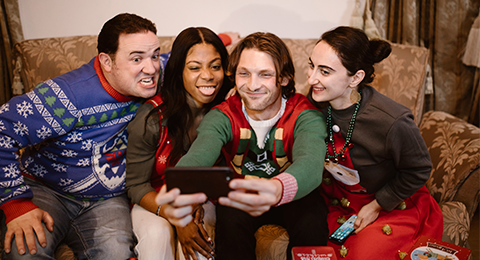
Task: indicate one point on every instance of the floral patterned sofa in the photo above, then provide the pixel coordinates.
(453, 144)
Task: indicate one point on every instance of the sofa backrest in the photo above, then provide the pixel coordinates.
(401, 76)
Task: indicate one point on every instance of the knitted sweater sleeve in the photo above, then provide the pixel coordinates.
(142, 145)
(25, 121)
(308, 153)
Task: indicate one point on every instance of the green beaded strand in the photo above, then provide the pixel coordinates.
(330, 134)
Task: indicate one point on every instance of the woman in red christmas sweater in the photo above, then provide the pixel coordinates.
(377, 162)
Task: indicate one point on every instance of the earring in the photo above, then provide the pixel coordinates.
(355, 97)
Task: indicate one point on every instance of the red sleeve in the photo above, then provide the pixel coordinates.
(17, 207)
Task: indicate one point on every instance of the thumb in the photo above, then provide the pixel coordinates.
(358, 225)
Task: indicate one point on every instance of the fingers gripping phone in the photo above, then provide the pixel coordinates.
(213, 181)
(344, 231)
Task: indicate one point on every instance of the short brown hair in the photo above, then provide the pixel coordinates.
(124, 23)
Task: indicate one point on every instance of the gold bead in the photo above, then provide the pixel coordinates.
(343, 251)
(345, 203)
(387, 230)
(402, 206)
(327, 181)
(341, 220)
(334, 202)
(402, 254)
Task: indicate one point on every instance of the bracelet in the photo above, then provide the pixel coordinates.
(158, 210)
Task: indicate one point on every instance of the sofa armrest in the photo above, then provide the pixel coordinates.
(456, 223)
(454, 147)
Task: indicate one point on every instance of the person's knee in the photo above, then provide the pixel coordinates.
(118, 246)
(48, 250)
(159, 231)
(41, 252)
(155, 241)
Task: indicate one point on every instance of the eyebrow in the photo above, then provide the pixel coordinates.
(322, 66)
(142, 52)
(260, 70)
(268, 71)
(210, 62)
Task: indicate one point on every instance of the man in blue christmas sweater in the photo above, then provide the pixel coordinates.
(68, 183)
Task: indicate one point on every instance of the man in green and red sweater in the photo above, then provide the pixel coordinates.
(274, 138)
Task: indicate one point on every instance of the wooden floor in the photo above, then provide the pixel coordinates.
(474, 238)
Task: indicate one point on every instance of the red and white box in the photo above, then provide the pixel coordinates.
(313, 253)
(430, 248)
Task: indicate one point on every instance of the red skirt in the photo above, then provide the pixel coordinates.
(422, 216)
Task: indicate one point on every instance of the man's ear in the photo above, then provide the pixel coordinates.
(357, 78)
(106, 61)
(284, 82)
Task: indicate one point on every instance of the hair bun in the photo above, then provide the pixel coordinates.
(380, 50)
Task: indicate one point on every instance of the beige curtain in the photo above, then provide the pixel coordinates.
(12, 33)
(442, 26)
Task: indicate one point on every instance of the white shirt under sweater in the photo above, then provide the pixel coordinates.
(262, 127)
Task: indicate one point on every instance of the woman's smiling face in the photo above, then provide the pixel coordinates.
(203, 73)
(328, 77)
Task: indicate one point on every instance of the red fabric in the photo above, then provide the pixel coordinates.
(17, 207)
(421, 217)
(164, 148)
(339, 142)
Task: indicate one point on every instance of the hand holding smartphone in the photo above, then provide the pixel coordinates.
(344, 231)
(213, 181)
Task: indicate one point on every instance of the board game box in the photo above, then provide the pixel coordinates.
(313, 253)
(427, 248)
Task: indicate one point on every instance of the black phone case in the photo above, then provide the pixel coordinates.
(213, 181)
(344, 231)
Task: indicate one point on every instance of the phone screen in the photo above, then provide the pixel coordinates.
(345, 230)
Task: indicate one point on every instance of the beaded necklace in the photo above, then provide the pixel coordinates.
(330, 127)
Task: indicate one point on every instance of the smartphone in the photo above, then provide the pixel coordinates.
(344, 231)
(213, 181)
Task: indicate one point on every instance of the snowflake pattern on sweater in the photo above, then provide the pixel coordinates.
(74, 135)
